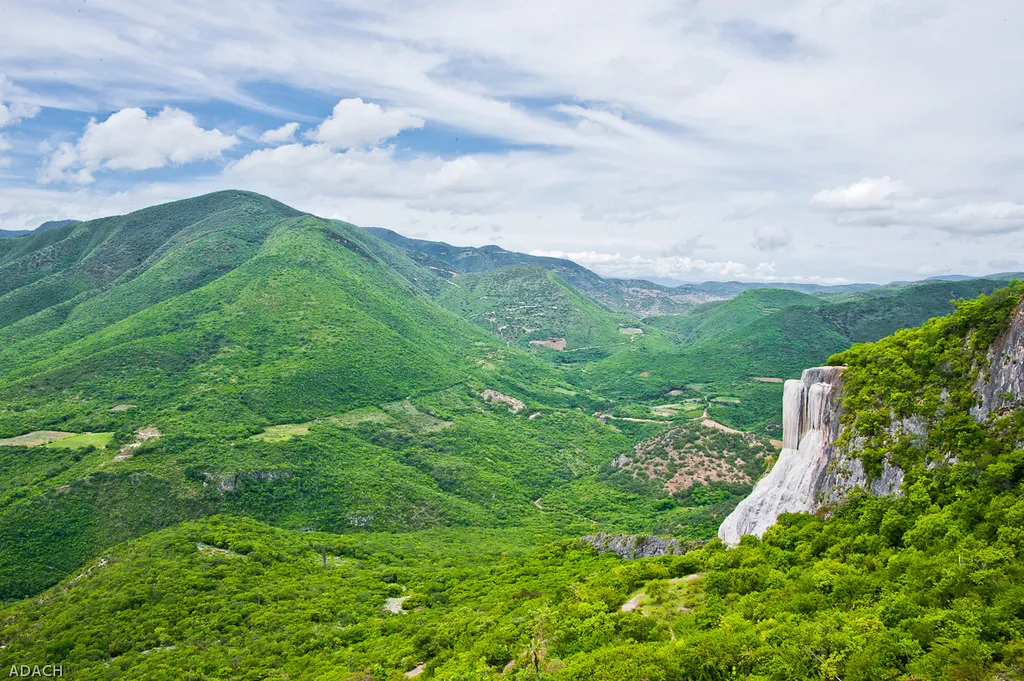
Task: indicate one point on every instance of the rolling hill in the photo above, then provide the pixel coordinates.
(232, 354)
(630, 296)
(531, 307)
(735, 354)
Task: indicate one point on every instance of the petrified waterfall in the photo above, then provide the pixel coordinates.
(809, 472)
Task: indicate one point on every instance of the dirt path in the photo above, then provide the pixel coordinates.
(633, 603)
(710, 423)
(602, 417)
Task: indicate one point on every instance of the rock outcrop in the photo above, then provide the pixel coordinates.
(632, 546)
(810, 472)
(1001, 384)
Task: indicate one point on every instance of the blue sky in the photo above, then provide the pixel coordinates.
(867, 140)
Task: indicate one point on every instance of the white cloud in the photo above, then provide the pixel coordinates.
(651, 122)
(867, 194)
(355, 123)
(464, 174)
(884, 202)
(130, 139)
(13, 112)
(5, 144)
(999, 217)
(750, 204)
(286, 133)
(771, 237)
(317, 166)
(680, 267)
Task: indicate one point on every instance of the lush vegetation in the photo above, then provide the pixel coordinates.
(618, 295)
(293, 369)
(262, 449)
(725, 347)
(533, 308)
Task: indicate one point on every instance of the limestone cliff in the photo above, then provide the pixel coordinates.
(810, 472)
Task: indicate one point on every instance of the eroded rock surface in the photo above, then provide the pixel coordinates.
(637, 545)
(810, 472)
(1001, 384)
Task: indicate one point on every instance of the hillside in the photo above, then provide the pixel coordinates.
(923, 586)
(870, 315)
(231, 353)
(713, 321)
(630, 296)
(534, 308)
(736, 353)
(51, 224)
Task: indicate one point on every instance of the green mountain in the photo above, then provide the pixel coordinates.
(534, 308)
(228, 353)
(714, 321)
(735, 354)
(729, 289)
(51, 224)
(926, 585)
(630, 296)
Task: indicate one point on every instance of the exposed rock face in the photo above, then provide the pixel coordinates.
(636, 546)
(810, 472)
(1001, 384)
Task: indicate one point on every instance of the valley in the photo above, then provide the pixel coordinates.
(240, 441)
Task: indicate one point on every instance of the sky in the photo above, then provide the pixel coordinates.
(824, 141)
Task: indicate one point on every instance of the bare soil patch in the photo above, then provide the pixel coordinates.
(36, 437)
(514, 405)
(141, 435)
(711, 423)
(553, 343)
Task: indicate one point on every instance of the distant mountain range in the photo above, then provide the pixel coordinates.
(51, 224)
(638, 296)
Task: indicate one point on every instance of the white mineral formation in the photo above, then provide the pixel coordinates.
(810, 473)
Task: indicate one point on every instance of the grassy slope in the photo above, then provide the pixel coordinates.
(721, 318)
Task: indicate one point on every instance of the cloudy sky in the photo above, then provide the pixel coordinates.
(801, 140)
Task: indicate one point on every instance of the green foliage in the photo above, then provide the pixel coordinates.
(325, 447)
(529, 306)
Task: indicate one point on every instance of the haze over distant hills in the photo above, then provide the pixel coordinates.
(663, 296)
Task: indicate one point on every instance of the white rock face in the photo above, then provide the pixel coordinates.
(810, 473)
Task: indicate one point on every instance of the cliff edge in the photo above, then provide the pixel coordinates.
(810, 472)
(813, 473)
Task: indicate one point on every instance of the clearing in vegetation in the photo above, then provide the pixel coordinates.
(36, 437)
(57, 438)
(285, 431)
